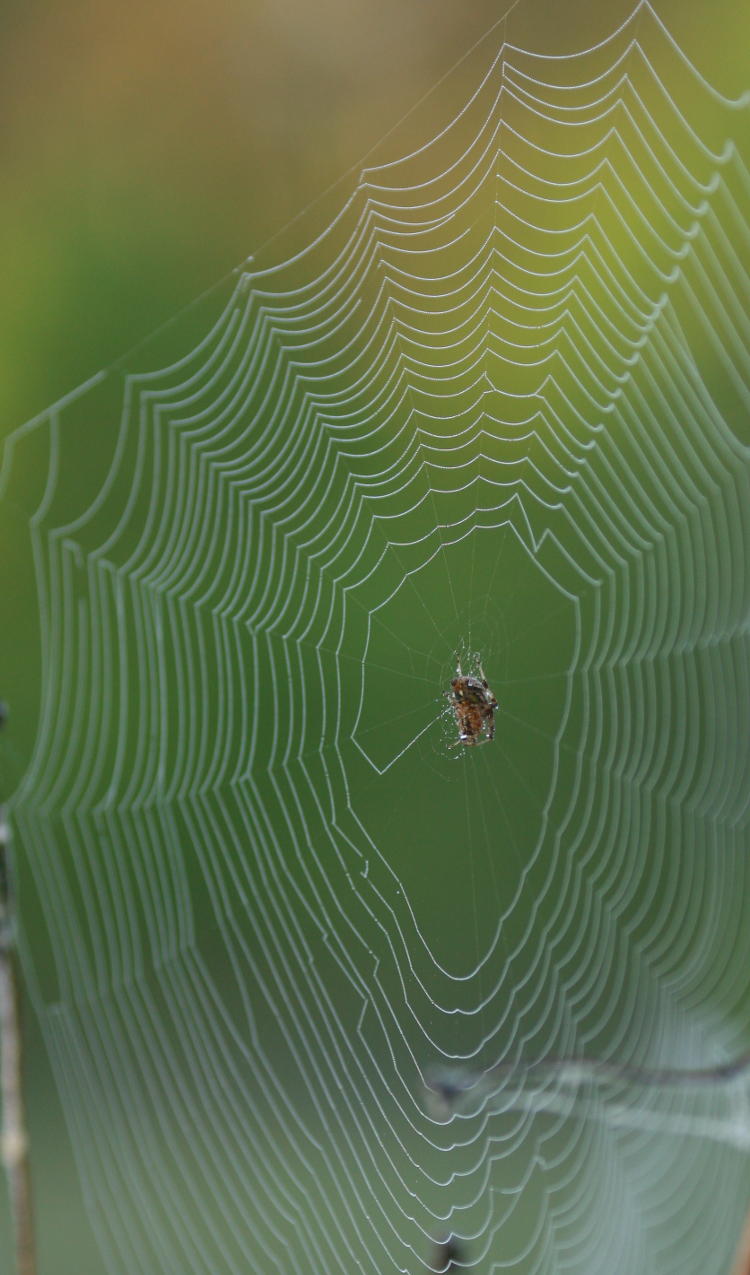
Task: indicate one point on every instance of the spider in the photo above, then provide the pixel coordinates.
(474, 707)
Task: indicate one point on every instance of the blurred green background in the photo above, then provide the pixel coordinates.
(146, 150)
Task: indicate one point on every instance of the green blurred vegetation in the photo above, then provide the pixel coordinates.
(148, 149)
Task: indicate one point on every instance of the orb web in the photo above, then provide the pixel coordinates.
(302, 944)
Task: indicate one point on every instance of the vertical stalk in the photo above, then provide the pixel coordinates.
(15, 1146)
(741, 1265)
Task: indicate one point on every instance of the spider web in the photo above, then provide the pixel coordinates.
(495, 412)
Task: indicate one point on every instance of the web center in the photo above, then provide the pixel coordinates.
(457, 822)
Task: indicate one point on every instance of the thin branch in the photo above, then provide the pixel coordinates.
(15, 1145)
(449, 1085)
(741, 1264)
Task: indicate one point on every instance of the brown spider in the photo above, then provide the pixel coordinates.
(474, 707)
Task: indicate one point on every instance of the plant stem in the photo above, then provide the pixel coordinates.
(741, 1264)
(15, 1147)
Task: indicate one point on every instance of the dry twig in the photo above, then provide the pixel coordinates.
(15, 1149)
(741, 1264)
